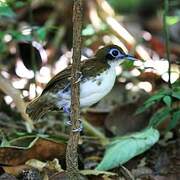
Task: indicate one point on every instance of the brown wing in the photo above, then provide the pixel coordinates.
(89, 68)
(59, 81)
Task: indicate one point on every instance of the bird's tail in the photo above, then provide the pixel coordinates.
(38, 107)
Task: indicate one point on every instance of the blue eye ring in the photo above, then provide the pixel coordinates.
(114, 52)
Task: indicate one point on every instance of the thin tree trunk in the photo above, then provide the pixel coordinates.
(71, 153)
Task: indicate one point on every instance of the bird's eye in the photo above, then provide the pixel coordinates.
(112, 54)
(115, 52)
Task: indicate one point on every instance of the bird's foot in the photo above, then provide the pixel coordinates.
(80, 77)
(67, 110)
(80, 127)
(69, 123)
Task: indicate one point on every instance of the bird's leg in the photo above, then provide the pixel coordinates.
(69, 122)
(66, 88)
(68, 112)
(80, 76)
(81, 125)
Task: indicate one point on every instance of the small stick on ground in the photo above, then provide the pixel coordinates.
(71, 152)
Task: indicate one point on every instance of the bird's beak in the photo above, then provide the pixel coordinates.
(131, 58)
(127, 56)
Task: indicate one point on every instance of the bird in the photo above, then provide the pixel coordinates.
(97, 78)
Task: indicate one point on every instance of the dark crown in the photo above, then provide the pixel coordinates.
(110, 52)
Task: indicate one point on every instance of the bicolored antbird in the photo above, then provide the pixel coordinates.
(97, 79)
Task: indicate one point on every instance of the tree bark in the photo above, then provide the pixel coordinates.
(71, 152)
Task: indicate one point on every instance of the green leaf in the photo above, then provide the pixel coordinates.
(3, 47)
(174, 121)
(159, 117)
(176, 95)
(20, 4)
(2, 35)
(88, 31)
(159, 95)
(6, 11)
(167, 100)
(41, 32)
(128, 64)
(122, 150)
(171, 20)
(21, 37)
(155, 97)
(144, 107)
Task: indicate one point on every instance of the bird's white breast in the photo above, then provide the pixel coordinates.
(91, 90)
(96, 88)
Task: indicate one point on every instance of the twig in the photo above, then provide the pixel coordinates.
(166, 32)
(126, 173)
(8, 89)
(71, 152)
(95, 132)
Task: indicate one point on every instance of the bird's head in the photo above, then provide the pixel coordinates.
(112, 54)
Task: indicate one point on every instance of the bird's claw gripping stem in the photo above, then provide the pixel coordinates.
(69, 123)
(80, 127)
(67, 110)
(80, 77)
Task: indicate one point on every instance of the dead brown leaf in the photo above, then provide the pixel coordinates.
(123, 120)
(15, 170)
(42, 149)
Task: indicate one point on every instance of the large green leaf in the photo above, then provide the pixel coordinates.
(174, 121)
(155, 97)
(122, 150)
(159, 116)
(144, 107)
(176, 95)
